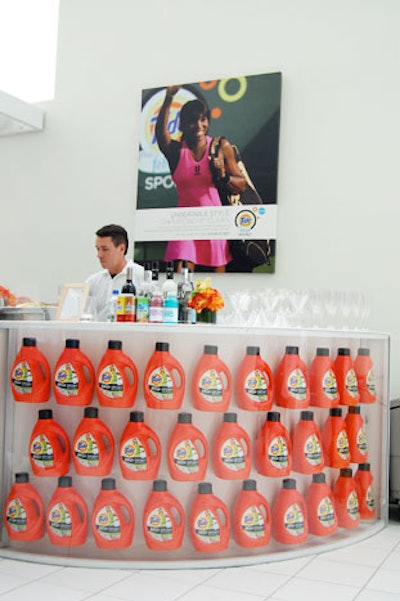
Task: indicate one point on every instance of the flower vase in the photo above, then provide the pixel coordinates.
(206, 316)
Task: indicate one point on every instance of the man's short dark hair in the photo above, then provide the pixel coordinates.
(117, 233)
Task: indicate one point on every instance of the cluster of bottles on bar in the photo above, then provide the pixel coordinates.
(153, 302)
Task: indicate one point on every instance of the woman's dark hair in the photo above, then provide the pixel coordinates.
(192, 110)
(117, 233)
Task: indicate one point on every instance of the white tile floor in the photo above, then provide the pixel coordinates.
(366, 571)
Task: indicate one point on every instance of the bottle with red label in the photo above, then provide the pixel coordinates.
(30, 375)
(164, 379)
(24, 511)
(92, 445)
(67, 515)
(346, 378)
(139, 449)
(112, 518)
(365, 491)
(231, 450)
(212, 382)
(116, 377)
(358, 445)
(209, 521)
(49, 448)
(187, 450)
(273, 455)
(323, 384)
(308, 457)
(364, 369)
(251, 517)
(254, 382)
(346, 499)
(292, 389)
(335, 442)
(73, 381)
(321, 511)
(163, 519)
(289, 515)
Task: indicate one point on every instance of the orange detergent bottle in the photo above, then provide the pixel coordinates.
(364, 369)
(322, 519)
(254, 383)
(209, 521)
(67, 515)
(164, 379)
(92, 446)
(24, 511)
(335, 442)
(251, 517)
(346, 378)
(112, 518)
(187, 450)
(346, 499)
(73, 382)
(323, 384)
(308, 457)
(358, 445)
(212, 382)
(289, 515)
(30, 374)
(365, 491)
(49, 448)
(273, 456)
(231, 450)
(292, 388)
(116, 377)
(139, 449)
(163, 519)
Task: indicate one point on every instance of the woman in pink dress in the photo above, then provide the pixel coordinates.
(188, 159)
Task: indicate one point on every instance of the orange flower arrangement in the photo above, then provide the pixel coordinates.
(9, 298)
(204, 296)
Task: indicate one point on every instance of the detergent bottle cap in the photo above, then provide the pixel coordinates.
(307, 416)
(160, 485)
(29, 341)
(253, 350)
(72, 343)
(322, 352)
(346, 472)
(335, 412)
(162, 346)
(115, 345)
(205, 488)
(136, 416)
(249, 484)
(318, 478)
(292, 350)
(91, 412)
(230, 417)
(65, 481)
(45, 414)
(344, 352)
(108, 484)
(273, 416)
(184, 418)
(289, 484)
(22, 477)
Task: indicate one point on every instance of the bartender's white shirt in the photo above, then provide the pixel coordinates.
(102, 286)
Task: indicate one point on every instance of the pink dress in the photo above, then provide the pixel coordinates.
(195, 188)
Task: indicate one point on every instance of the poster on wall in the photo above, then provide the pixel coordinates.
(207, 176)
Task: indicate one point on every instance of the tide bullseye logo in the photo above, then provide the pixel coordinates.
(245, 220)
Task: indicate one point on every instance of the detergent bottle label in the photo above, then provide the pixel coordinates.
(232, 455)
(278, 453)
(312, 450)
(60, 520)
(86, 450)
(210, 386)
(351, 383)
(370, 498)
(370, 381)
(342, 445)
(134, 455)
(107, 523)
(256, 386)
(361, 441)
(253, 523)
(160, 384)
(111, 382)
(16, 515)
(329, 385)
(159, 525)
(296, 384)
(42, 452)
(186, 457)
(207, 527)
(352, 505)
(66, 380)
(325, 512)
(294, 520)
(22, 378)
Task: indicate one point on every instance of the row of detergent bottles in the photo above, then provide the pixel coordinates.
(276, 452)
(327, 384)
(292, 517)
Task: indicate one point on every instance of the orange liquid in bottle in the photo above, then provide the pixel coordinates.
(93, 446)
(365, 491)
(335, 441)
(323, 384)
(212, 382)
(30, 374)
(346, 378)
(23, 511)
(73, 381)
(346, 499)
(289, 515)
(251, 517)
(116, 378)
(292, 389)
(308, 456)
(273, 447)
(322, 519)
(112, 518)
(254, 382)
(49, 448)
(67, 515)
(364, 369)
(139, 450)
(231, 450)
(356, 434)
(164, 379)
(209, 521)
(163, 519)
(187, 450)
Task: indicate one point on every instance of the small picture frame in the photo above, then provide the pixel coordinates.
(72, 302)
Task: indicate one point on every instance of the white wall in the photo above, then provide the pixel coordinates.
(338, 194)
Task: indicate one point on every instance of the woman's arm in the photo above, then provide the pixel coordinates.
(228, 168)
(167, 145)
